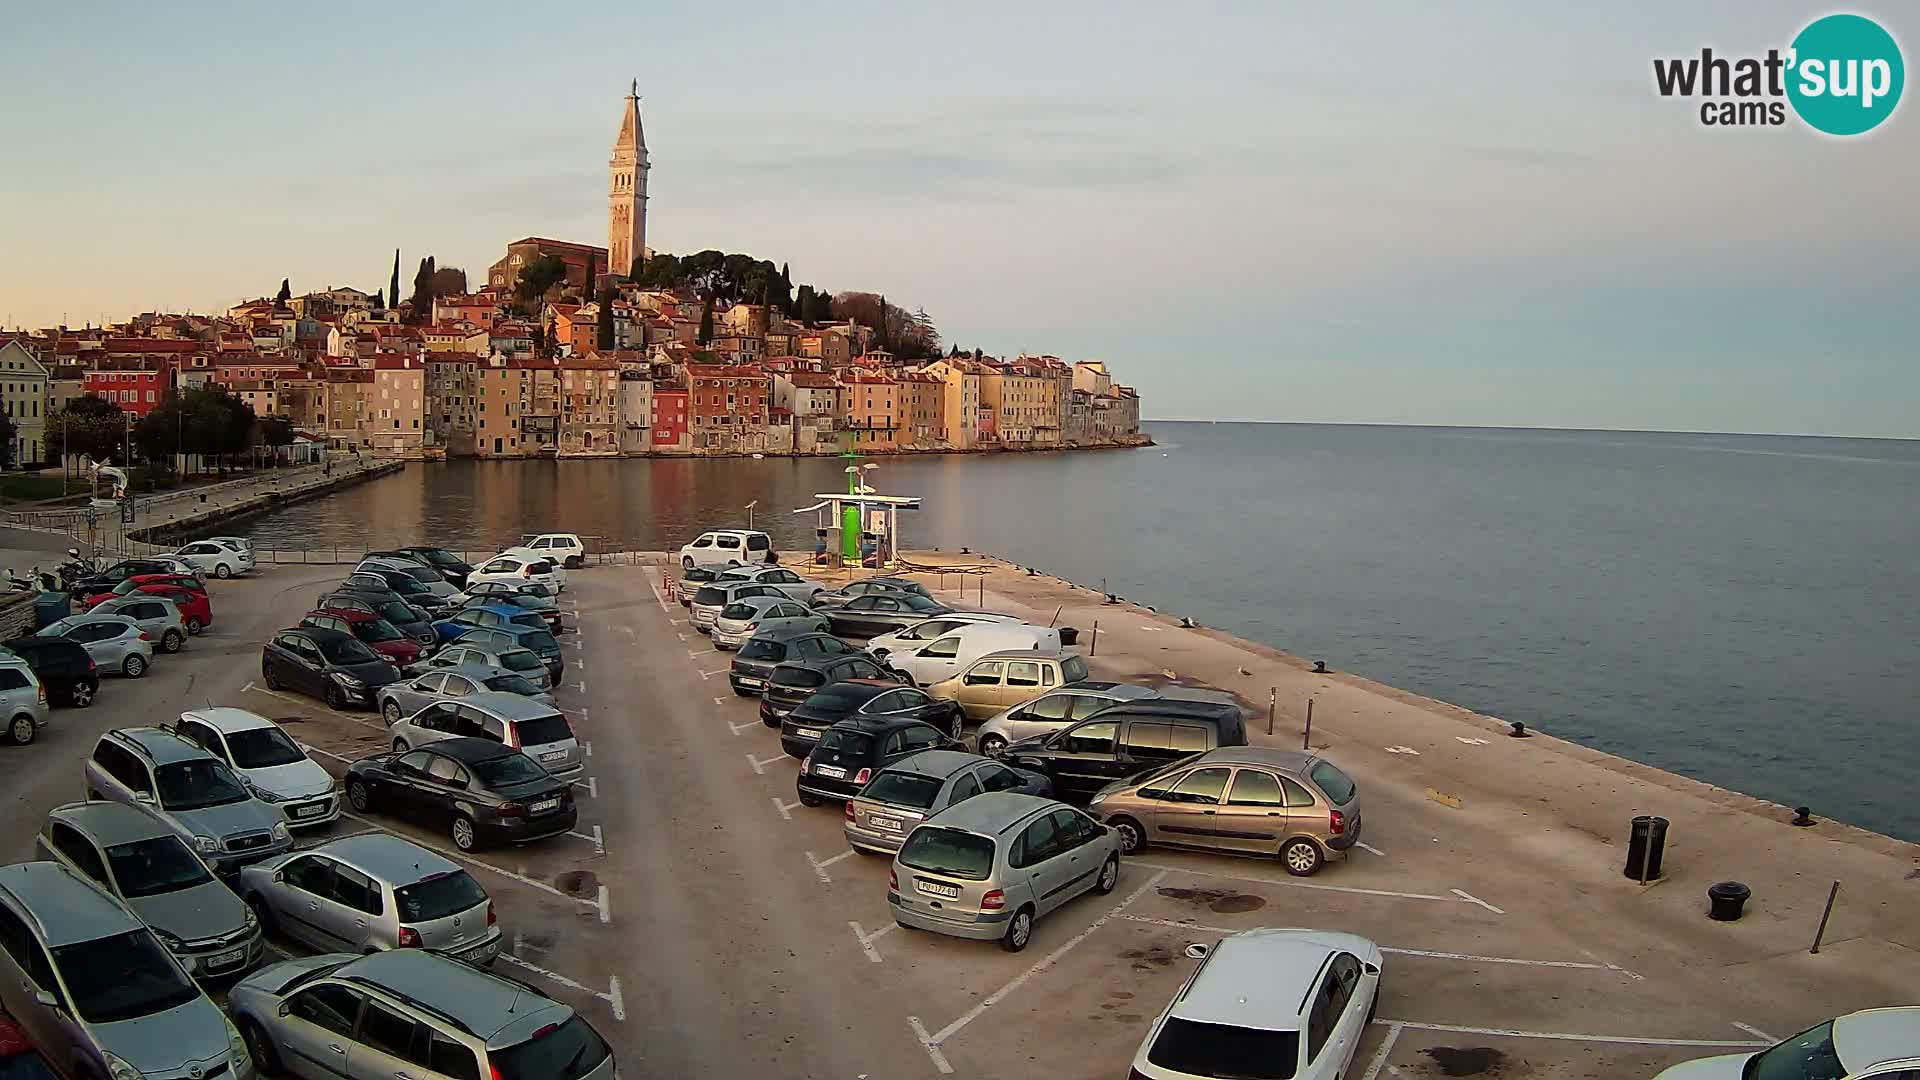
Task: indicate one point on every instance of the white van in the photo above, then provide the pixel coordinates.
(728, 547)
(920, 633)
(948, 655)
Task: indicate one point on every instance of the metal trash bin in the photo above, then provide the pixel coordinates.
(1725, 899)
(1069, 636)
(1645, 846)
(49, 608)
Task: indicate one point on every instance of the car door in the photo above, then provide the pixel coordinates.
(1041, 716)
(979, 689)
(1187, 809)
(96, 639)
(388, 1044)
(79, 852)
(445, 779)
(26, 972)
(1081, 759)
(204, 736)
(1253, 818)
(357, 903)
(314, 1036)
(1023, 683)
(413, 696)
(936, 661)
(406, 783)
(934, 713)
(912, 740)
(1047, 864)
(435, 721)
(305, 907)
(1145, 744)
(1333, 1029)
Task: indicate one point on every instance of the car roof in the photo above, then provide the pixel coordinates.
(386, 856)
(1871, 1036)
(67, 907)
(1118, 691)
(79, 617)
(935, 763)
(879, 725)
(1291, 760)
(466, 748)
(481, 1002)
(225, 719)
(508, 706)
(1161, 705)
(161, 746)
(1026, 654)
(321, 633)
(498, 609)
(109, 823)
(352, 615)
(481, 672)
(733, 532)
(815, 663)
(1259, 979)
(993, 813)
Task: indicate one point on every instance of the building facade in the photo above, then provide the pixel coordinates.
(23, 395)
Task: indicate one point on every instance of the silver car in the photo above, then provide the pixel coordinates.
(918, 786)
(795, 586)
(115, 642)
(371, 891)
(436, 583)
(155, 615)
(710, 599)
(409, 696)
(464, 653)
(140, 861)
(317, 1014)
(273, 766)
(1054, 710)
(100, 996)
(988, 867)
(744, 618)
(539, 731)
(190, 791)
(23, 701)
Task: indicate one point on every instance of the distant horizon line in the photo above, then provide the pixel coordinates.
(1525, 427)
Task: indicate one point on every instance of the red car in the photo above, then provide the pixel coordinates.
(196, 609)
(136, 581)
(373, 631)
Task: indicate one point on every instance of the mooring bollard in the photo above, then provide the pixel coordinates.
(1725, 900)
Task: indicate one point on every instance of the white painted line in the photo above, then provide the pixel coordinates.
(711, 674)
(573, 643)
(866, 940)
(1430, 954)
(1046, 961)
(1364, 846)
(592, 785)
(582, 665)
(612, 997)
(1629, 1040)
(1472, 899)
(1402, 750)
(927, 1044)
(820, 865)
(458, 857)
(1755, 1032)
(1380, 1056)
(586, 747)
(785, 808)
(719, 701)
(695, 654)
(606, 911)
(627, 630)
(1294, 884)
(315, 706)
(1470, 742)
(325, 753)
(599, 840)
(740, 727)
(615, 1000)
(760, 767)
(582, 685)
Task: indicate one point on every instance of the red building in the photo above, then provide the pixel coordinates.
(136, 391)
(728, 395)
(669, 417)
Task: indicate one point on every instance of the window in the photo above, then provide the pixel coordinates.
(986, 673)
(446, 771)
(1187, 739)
(391, 1033)
(1320, 1018)
(964, 788)
(1200, 786)
(998, 778)
(450, 1059)
(1335, 783)
(329, 1006)
(311, 874)
(1023, 673)
(1051, 707)
(946, 647)
(1090, 738)
(1253, 788)
(1040, 842)
(918, 737)
(1147, 739)
(356, 890)
(67, 841)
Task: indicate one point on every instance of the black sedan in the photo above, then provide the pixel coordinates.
(882, 613)
(327, 664)
(451, 566)
(478, 789)
(851, 751)
(863, 699)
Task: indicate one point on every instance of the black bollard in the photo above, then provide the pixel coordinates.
(1725, 900)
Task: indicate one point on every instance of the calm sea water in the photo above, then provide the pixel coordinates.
(1737, 608)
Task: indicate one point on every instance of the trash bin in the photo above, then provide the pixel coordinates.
(1645, 845)
(1069, 636)
(49, 608)
(1725, 900)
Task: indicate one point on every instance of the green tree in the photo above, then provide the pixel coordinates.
(706, 320)
(379, 300)
(393, 286)
(536, 278)
(422, 298)
(449, 281)
(208, 422)
(89, 425)
(285, 294)
(276, 431)
(8, 436)
(603, 323)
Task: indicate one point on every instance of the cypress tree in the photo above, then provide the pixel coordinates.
(603, 328)
(393, 287)
(706, 320)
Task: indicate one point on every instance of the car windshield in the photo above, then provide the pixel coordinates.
(1197, 1049)
(949, 851)
(154, 866)
(344, 650)
(540, 566)
(559, 1052)
(847, 743)
(541, 730)
(193, 785)
(797, 676)
(903, 789)
(535, 588)
(262, 748)
(529, 619)
(439, 896)
(538, 640)
(841, 697)
(508, 770)
(1807, 1056)
(396, 611)
(377, 630)
(763, 649)
(424, 574)
(1332, 781)
(513, 684)
(738, 610)
(400, 582)
(916, 602)
(437, 556)
(699, 573)
(120, 977)
(710, 595)
(520, 660)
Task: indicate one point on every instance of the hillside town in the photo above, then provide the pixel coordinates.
(572, 350)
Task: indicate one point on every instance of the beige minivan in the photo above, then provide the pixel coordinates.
(1000, 680)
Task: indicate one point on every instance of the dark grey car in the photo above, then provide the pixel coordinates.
(189, 790)
(918, 786)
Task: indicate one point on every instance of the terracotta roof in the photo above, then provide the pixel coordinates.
(396, 363)
(813, 380)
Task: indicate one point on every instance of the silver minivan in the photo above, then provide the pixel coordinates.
(711, 599)
(23, 701)
(988, 867)
(191, 791)
(539, 731)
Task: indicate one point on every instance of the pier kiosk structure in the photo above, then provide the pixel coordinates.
(857, 528)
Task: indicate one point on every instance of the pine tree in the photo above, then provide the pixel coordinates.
(393, 287)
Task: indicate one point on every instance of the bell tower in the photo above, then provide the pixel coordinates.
(627, 190)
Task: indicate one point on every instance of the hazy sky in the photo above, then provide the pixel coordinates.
(1400, 213)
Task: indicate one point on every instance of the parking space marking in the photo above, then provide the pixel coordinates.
(760, 767)
(1562, 1036)
(719, 701)
(592, 785)
(458, 857)
(1380, 1056)
(611, 995)
(1755, 1032)
(574, 643)
(785, 808)
(866, 940)
(1354, 889)
(744, 725)
(606, 909)
(1472, 899)
(594, 838)
(1369, 847)
(1430, 954)
(582, 685)
(695, 654)
(317, 706)
(711, 674)
(926, 1042)
(585, 746)
(820, 865)
(681, 636)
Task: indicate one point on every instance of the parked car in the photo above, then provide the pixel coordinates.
(513, 568)
(988, 867)
(406, 618)
(116, 573)
(918, 786)
(795, 586)
(746, 617)
(136, 582)
(216, 558)
(466, 654)
(1126, 740)
(794, 681)
(156, 615)
(100, 993)
(114, 642)
(435, 583)
(361, 1004)
(1267, 1003)
(1054, 710)
(451, 566)
(513, 636)
(409, 696)
(851, 751)
(1001, 680)
(268, 761)
(882, 613)
(147, 867)
(63, 668)
(326, 664)
(728, 547)
(692, 578)
(528, 595)
(23, 700)
(932, 629)
(479, 789)
(190, 791)
(862, 699)
(193, 603)
(756, 658)
(711, 599)
(1286, 804)
(370, 891)
(873, 586)
(563, 548)
(1879, 1043)
(487, 617)
(370, 630)
(955, 652)
(401, 585)
(538, 730)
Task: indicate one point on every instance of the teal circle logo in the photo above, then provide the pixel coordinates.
(1846, 74)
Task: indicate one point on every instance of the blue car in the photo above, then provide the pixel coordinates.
(488, 617)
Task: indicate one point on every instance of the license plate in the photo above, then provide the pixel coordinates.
(934, 888)
(544, 805)
(831, 772)
(554, 755)
(806, 732)
(231, 956)
(310, 811)
(747, 680)
(891, 824)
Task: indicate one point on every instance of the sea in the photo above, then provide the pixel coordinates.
(1740, 609)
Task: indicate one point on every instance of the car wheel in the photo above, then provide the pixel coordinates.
(194, 627)
(400, 746)
(222, 570)
(574, 562)
(686, 562)
(259, 1047)
(171, 641)
(810, 799)
(336, 700)
(993, 745)
(1109, 875)
(261, 912)
(21, 730)
(465, 836)
(391, 710)
(81, 694)
(1132, 837)
(1019, 929)
(1301, 857)
(272, 680)
(134, 666)
(360, 796)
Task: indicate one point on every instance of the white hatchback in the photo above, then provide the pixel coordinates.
(727, 547)
(563, 548)
(516, 568)
(217, 558)
(272, 765)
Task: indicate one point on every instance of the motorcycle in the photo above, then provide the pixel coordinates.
(76, 569)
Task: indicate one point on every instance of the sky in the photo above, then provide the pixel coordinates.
(1388, 213)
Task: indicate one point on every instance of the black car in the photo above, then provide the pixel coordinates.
(330, 665)
(405, 618)
(105, 580)
(864, 699)
(451, 566)
(756, 658)
(401, 584)
(63, 668)
(882, 613)
(851, 751)
(478, 789)
(1128, 739)
(794, 681)
(868, 587)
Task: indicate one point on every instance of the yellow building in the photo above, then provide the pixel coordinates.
(23, 394)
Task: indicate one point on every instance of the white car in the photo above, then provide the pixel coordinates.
(563, 548)
(1883, 1043)
(727, 547)
(271, 764)
(932, 630)
(217, 558)
(518, 569)
(1267, 1003)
